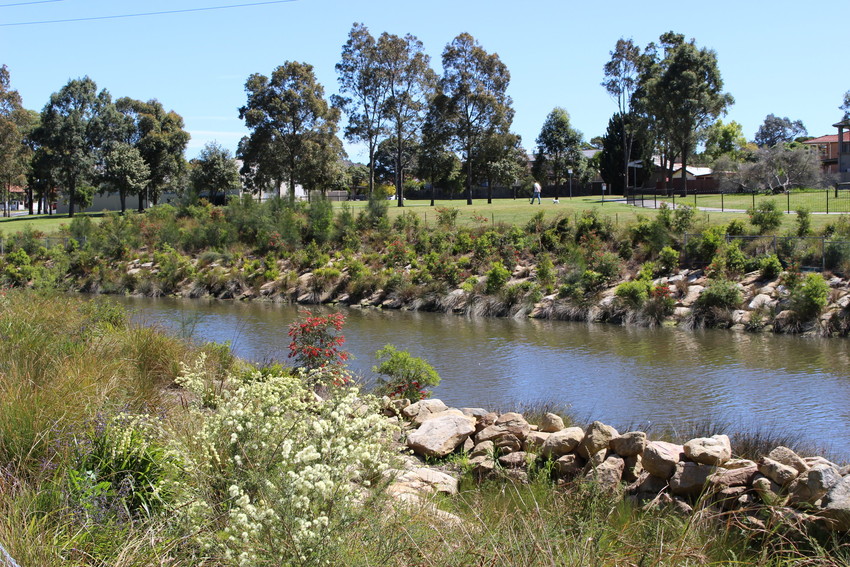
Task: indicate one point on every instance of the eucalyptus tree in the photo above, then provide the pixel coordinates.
(775, 130)
(363, 92)
(68, 134)
(685, 90)
(845, 106)
(410, 82)
(435, 161)
(214, 171)
(159, 137)
(291, 124)
(613, 151)
(622, 77)
(15, 124)
(558, 146)
(124, 171)
(474, 88)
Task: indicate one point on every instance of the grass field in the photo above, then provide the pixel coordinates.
(817, 201)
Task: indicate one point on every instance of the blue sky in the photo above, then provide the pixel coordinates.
(781, 57)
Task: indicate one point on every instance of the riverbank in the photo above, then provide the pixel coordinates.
(121, 446)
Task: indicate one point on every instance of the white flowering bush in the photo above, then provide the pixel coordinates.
(276, 470)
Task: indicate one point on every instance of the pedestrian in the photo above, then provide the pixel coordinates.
(536, 193)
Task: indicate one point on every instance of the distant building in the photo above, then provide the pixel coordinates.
(831, 152)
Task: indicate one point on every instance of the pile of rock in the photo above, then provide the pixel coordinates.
(653, 472)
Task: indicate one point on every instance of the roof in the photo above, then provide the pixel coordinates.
(695, 171)
(830, 139)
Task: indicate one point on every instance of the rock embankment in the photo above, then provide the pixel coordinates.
(703, 472)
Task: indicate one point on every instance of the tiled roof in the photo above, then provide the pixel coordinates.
(832, 138)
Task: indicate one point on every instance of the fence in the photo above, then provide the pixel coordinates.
(815, 253)
(817, 201)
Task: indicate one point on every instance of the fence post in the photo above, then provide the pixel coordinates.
(722, 208)
(823, 254)
(674, 199)
(754, 199)
(788, 200)
(695, 200)
(827, 200)
(775, 250)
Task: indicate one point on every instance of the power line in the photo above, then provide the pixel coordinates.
(28, 3)
(140, 14)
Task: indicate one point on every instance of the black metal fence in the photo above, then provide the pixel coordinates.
(816, 201)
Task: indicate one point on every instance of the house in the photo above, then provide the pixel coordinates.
(831, 152)
(691, 172)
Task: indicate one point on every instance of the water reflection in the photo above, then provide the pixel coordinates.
(623, 376)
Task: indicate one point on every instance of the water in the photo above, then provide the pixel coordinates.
(628, 377)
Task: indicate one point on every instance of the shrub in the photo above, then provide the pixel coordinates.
(315, 342)
(766, 216)
(546, 272)
(804, 221)
(497, 277)
(668, 259)
(320, 215)
(446, 217)
(633, 293)
(736, 262)
(736, 228)
(770, 267)
(719, 293)
(809, 297)
(683, 219)
(406, 376)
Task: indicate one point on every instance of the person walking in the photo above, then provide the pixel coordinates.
(536, 193)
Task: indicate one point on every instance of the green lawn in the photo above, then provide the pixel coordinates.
(817, 201)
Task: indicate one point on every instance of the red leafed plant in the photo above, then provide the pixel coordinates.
(315, 341)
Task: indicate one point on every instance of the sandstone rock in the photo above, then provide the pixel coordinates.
(730, 498)
(813, 484)
(422, 480)
(815, 461)
(714, 450)
(597, 437)
(489, 433)
(674, 503)
(776, 471)
(836, 505)
(439, 437)
(738, 464)
(562, 442)
(633, 469)
(477, 413)
(483, 467)
(484, 448)
(468, 445)
(514, 423)
(789, 458)
(629, 444)
(761, 300)
(551, 423)
(514, 460)
(726, 478)
(608, 473)
(568, 465)
(767, 490)
(486, 421)
(681, 312)
(425, 407)
(660, 458)
(535, 440)
(694, 292)
(424, 416)
(689, 479)
(647, 484)
(507, 443)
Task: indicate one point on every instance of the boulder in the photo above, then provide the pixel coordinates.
(568, 465)
(660, 458)
(633, 468)
(562, 442)
(424, 407)
(789, 458)
(596, 438)
(440, 436)
(727, 478)
(673, 503)
(424, 480)
(424, 416)
(694, 292)
(767, 490)
(776, 471)
(490, 433)
(534, 442)
(508, 443)
(836, 505)
(514, 423)
(485, 448)
(608, 473)
(516, 460)
(730, 497)
(714, 450)
(629, 444)
(647, 485)
(689, 479)
(813, 484)
(738, 464)
(551, 423)
(761, 300)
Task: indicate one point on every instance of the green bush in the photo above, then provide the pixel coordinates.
(447, 217)
(770, 267)
(720, 294)
(320, 217)
(406, 376)
(633, 293)
(804, 221)
(668, 259)
(683, 219)
(809, 297)
(766, 216)
(497, 277)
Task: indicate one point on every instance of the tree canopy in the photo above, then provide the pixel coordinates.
(214, 171)
(775, 130)
(558, 147)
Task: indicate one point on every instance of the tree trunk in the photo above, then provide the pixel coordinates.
(123, 196)
(684, 170)
(468, 177)
(399, 173)
(72, 195)
(142, 200)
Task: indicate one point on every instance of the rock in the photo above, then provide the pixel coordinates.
(468, 445)
(681, 312)
(424, 416)
(425, 407)
(534, 442)
(813, 484)
(508, 443)
(633, 469)
(422, 480)
(726, 478)
(815, 461)
(836, 505)
(568, 465)
(647, 484)
(660, 458)
(730, 497)
(714, 450)
(694, 292)
(440, 436)
(486, 421)
(689, 479)
(483, 467)
(485, 448)
(477, 413)
(761, 300)
(596, 438)
(789, 458)
(595, 460)
(551, 423)
(629, 444)
(738, 464)
(514, 423)
(515, 460)
(489, 433)
(767, 490)
(608, 473)
(562, 442)
(776, 471)
(676, 504)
